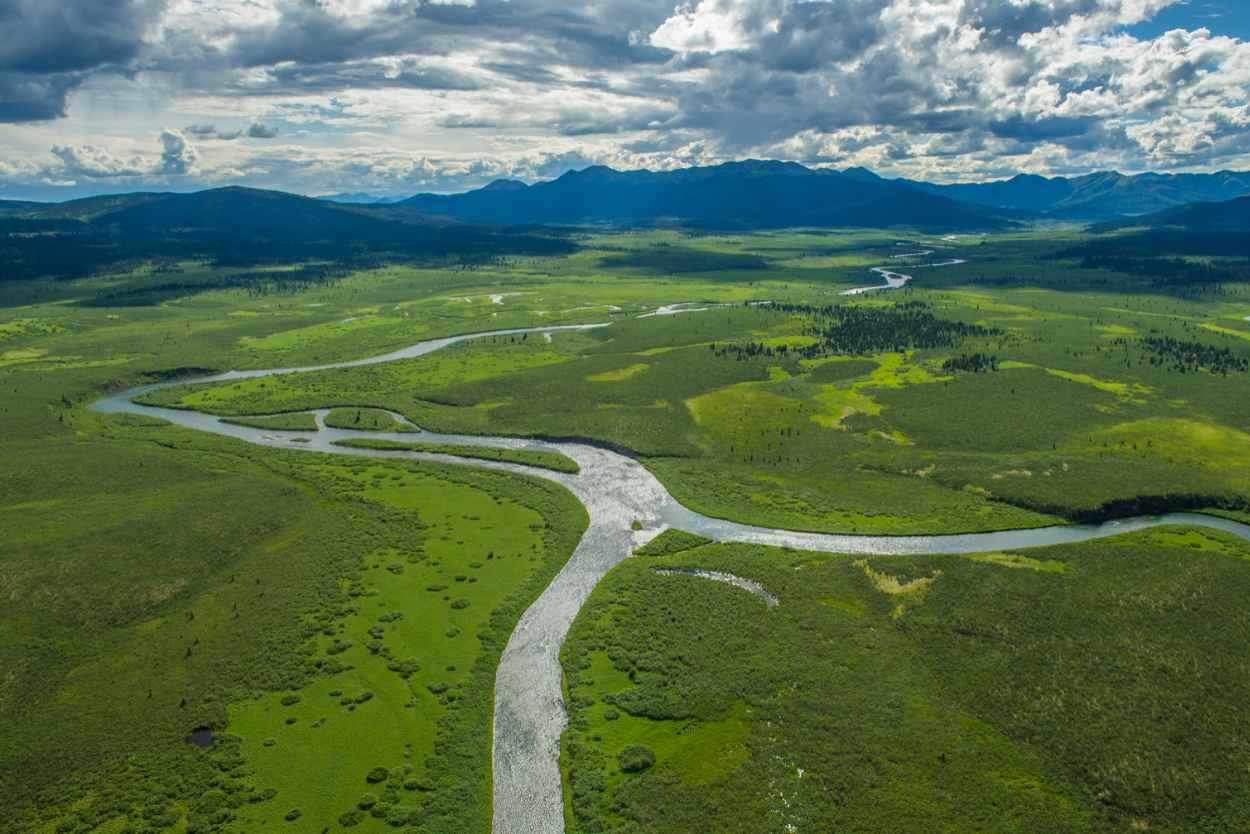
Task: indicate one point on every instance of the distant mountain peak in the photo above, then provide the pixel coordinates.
(505, 185)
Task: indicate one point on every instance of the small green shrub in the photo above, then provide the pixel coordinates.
(636, 759)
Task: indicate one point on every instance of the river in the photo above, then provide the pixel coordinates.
(627, 507)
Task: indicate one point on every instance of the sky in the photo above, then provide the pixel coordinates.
(397, 97)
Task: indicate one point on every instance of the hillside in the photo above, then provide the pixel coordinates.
(1229, 216)
(1099, 196)
(736, 195)
(237, 226)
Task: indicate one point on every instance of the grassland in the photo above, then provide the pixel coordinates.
(158, 580)
(279, 422)
(741, 415)
(365, 419)
(527, 457)
(1075, 688)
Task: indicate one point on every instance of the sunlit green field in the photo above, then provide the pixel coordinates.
(327, 619)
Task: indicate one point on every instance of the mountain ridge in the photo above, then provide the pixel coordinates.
(749, 194)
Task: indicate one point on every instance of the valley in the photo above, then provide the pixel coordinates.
(771, 418)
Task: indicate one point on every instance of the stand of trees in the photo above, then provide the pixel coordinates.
(1188, 356)
(970, 363)
(841, 329)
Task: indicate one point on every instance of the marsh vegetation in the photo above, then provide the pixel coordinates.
(335, 624)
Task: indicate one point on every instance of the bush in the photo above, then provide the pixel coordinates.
(460, 604)
(636, 759)
(378, 774)
(405, 668)
(289, 700)
(367, 801)
(292, 815)
(350, 818)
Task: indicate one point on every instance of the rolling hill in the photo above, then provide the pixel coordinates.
(236, 226)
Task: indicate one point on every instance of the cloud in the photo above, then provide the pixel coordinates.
(92, 162)
(415, 94)
(178, 156)
(50, 47)
(256, 130)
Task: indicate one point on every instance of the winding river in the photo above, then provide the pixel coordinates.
(627, 507)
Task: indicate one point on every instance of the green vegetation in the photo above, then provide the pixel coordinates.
(1073, 688)
(335, 621)
(159, 580)
(365, 419)
(527, 457)
(298, 421)
(670, 541)
(757, 413)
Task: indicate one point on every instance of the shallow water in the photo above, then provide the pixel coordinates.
(748, 585)
(627, 507)
(201, 737)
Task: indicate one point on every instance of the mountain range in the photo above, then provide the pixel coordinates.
(735, 195)
(1099, 196)
(252, 226)
(767, 194)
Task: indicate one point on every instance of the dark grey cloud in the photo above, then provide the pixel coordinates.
(31, 98)
(49, 47)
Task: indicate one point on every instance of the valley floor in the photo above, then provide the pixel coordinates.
(338, 622)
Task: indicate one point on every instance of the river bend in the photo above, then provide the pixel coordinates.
(627, 507)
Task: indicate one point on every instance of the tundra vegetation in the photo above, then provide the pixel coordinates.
(336, 623)
(1053, 690)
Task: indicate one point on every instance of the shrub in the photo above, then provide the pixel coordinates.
(404, 668)
(460, 604)
(367, 801)
(636, 759)
(378, 774)
(292, 815)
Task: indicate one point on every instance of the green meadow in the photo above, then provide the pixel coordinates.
(336, 622)
(1078, 688)
(749, 412)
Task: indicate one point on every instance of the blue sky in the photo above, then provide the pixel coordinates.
(1223, 17)
(395, 97)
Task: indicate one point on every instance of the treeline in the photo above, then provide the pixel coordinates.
(1186, 356)
(841, 329)
(1169, 272)
(169, 281)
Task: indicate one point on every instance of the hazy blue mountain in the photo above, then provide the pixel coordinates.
(1228, 216)
(736, 195)
(1099, 196)
(357, 197)
(1221, 228)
